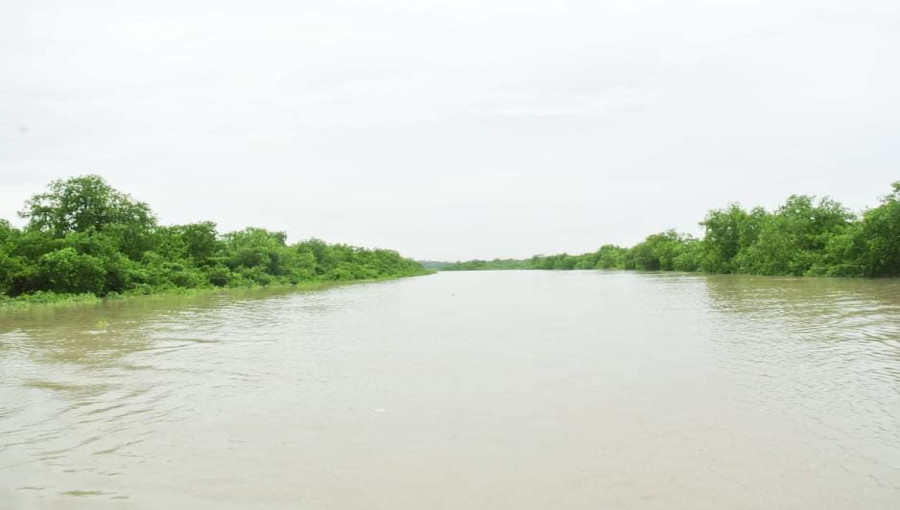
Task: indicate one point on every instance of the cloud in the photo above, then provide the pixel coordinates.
(452, 129)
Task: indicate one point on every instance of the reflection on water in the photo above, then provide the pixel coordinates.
(462, 390)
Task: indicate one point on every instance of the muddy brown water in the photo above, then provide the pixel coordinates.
(477, 390)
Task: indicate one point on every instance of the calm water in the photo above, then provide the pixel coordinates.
(513, 390)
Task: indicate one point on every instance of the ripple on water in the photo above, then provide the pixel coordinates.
(602, 390)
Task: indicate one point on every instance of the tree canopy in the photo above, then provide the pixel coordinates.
(83, 204)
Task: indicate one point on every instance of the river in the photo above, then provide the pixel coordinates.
(468, 390)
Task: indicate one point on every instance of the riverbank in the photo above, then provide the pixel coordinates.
(84, 240)
(55, 300)
(807, 236)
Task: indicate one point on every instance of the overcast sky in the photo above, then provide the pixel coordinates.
(453, 129)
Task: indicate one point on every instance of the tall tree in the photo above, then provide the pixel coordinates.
(84, 203)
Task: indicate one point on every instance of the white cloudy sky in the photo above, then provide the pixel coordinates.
(453, 129)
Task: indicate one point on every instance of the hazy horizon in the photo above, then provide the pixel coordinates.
(453, 131)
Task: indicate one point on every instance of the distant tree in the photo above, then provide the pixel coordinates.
(805, 236)
(610, 256)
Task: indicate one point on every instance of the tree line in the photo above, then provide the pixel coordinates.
(805, 236)
(84, 237)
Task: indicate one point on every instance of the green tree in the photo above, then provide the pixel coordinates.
(610, 256)
(729, 232)
(793, 240)
(201, 241)
(84, 203)
(67, 271)
(876, 249)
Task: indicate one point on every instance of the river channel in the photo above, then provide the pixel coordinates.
(466, 390)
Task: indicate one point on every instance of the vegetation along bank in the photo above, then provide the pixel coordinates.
(804, 237)
(85, 240)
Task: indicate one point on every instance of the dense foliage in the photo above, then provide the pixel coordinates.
(803, 237)
(84, 237)
(475, 265)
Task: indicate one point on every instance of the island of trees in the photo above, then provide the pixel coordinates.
(804, 237)
(85, 239)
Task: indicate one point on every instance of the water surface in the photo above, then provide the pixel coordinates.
(481, 390)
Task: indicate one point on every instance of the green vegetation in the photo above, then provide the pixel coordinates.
(803, 237)
(476, 265)
(433, 265)
(85, 240)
